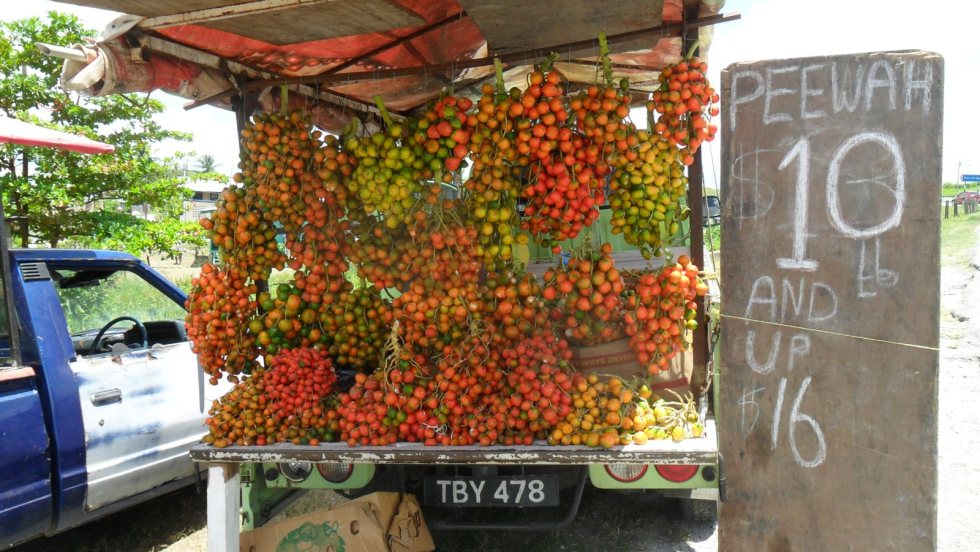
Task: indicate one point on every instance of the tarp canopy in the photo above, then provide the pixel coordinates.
(13, 131)
(344, 54)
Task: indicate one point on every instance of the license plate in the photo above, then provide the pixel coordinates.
(519, 491)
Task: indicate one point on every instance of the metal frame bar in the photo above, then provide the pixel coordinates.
(224, 12)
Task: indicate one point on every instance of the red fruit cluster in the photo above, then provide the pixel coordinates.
(662, 308)
(684, 102)
(565, 186)
(443, 132)
(586, 296)
(219, 307)
(296, 382)
(537, 390)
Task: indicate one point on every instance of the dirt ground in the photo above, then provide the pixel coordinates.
(959, 389)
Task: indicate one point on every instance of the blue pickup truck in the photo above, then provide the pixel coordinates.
(101, 396)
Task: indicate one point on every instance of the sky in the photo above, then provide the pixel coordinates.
(768, 29)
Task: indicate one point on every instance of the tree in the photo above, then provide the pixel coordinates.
(206, 163)
(56, 197)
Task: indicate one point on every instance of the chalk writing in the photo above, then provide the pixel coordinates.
(890, 144)
(821, 307)
(753, 196)
(871, 277)
(800, 151)
(865, 86)
(746, 403)
(754, 364)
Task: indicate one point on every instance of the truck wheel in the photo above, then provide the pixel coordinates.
(693, 509)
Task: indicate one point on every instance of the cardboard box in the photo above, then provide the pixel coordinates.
(618, 359)
(378, 522)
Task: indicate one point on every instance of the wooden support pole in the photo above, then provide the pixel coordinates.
(695, 200)
(224, 490)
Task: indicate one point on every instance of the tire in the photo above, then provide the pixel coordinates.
(693, 509)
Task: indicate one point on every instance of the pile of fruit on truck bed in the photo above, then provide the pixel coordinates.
(408, 316)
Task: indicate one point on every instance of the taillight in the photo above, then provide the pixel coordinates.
(335, 473)
(295, 472)
(626, 473)
(677, 473)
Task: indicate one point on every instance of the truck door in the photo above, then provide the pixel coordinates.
(143, 404)
(25, 491)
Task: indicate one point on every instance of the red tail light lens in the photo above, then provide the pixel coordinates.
(677, 473)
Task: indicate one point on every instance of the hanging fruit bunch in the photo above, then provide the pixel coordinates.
(359, 324)
(245, 240)
(646, 194)
(219, 306)
(392, 177)
(537, 392)
(563, 193)
(661, 309)
(585, 294)
(283, 402)
(685, 102)
(493, 187)
(513, 304)
(293, 315)
(444, 135)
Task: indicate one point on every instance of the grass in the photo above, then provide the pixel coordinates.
(953, 189)
(958, 239)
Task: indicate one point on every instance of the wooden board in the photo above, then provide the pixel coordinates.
(320, 21)
(514, 25)
(293, 25)
(831, 170)
(690, 451)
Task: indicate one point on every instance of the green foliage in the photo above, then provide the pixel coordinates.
(953, 189)
(958, 239)
(122, 294)
(57, 197)
(207, 164)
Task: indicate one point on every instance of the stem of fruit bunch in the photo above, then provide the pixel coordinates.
(694, 47)
(548, 62)
(604, 57)
(498, 70)
(385, 116)
(283, 100)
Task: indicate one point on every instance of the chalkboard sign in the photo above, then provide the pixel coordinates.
(830, 302)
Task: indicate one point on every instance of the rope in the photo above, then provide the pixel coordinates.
(828, 332)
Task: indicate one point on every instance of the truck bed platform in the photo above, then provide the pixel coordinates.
(703, 450)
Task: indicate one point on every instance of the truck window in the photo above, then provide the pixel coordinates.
(92, 300)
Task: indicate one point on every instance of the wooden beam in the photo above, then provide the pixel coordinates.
(256, 7)
(224, 517)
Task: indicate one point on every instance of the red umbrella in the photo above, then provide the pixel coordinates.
(18, 132)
